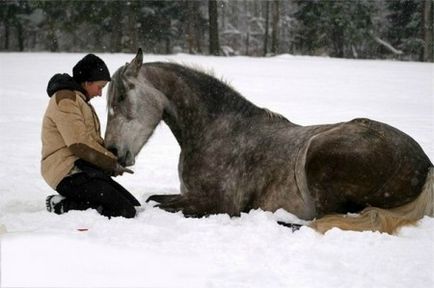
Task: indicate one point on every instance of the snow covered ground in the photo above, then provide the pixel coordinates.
(159, 249)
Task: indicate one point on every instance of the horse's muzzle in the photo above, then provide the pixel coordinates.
(127, 159)
(113, 149)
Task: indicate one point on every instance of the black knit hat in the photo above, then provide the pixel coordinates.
(90, 68)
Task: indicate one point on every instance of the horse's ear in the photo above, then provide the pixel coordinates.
(136, 63)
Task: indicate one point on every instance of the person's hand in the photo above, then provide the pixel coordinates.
(119, 170)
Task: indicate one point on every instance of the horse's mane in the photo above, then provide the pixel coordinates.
(202, 69)
(218, 93)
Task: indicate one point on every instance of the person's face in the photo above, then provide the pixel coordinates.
(94, 88)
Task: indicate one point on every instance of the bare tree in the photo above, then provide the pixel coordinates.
(214, 46)
(247, 31)
(132, 22)
(275, 27)
(428, 31)
(116, 26)
(193, 28)
(267, 13)
(5, 13)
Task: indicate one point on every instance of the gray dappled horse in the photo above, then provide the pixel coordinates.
(236, 156)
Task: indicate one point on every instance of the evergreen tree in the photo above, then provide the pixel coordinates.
(335, 28)
(338, 28)
(405, 27)
(13, 24)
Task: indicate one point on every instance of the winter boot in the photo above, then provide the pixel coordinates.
(59, 204)
(55, 203)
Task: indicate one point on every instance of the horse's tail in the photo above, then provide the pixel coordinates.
(384, 220)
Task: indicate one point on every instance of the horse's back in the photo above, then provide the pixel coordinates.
(363, 163)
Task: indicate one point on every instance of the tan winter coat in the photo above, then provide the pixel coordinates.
(71, 130)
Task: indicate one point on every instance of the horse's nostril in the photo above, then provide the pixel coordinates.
(113, 150)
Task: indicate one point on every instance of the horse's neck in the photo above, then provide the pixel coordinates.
(192, 109)
(162, 78)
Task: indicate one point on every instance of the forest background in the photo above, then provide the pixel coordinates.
(365, 29)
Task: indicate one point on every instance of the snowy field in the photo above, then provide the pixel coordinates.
(159, 249)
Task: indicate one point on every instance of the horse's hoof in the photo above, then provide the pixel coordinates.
(163, 198)
(294, 227)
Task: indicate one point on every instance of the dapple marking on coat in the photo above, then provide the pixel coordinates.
(236, 156)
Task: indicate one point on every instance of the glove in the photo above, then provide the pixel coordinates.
(119, 170)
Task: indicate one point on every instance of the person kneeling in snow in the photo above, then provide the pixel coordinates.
(75, 162)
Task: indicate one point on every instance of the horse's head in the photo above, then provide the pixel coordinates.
(135, 108)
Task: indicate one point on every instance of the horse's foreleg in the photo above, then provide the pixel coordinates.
(164, 198)
(180, 203)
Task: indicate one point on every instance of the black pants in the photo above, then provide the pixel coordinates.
(92, 188)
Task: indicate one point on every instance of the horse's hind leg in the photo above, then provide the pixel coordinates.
(364, 163)
(384, 220)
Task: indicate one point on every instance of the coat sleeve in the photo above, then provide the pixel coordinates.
(71, 125)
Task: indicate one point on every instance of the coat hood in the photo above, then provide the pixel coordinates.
(63, 81)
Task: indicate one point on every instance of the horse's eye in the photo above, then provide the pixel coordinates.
(122, 94)
(121, 97)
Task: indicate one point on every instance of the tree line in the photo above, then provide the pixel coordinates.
(366, 29)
